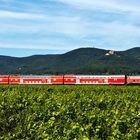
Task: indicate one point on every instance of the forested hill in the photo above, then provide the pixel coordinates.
(79, 61)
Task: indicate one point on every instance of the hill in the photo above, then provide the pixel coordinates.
(79, 61)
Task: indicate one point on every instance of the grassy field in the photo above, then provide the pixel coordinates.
(69, 112)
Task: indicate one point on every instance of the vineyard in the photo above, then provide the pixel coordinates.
(67, 112)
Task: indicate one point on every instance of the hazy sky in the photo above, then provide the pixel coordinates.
(56, 26)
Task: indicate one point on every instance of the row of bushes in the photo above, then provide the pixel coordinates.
(69, 112)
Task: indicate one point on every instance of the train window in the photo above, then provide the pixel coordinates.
(54, 79)
(72, 79)
(0, 79)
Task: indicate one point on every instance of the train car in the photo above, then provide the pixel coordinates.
(95, 79)
(117, 79)
(70, 79)
(4, 79)
(14, 79)
(58, 79)
(35, 79)
(133, 79)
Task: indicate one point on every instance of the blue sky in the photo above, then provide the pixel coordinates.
(56, 26)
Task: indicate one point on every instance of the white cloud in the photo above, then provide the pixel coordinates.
(52, 44)
(106, 5)
(114, 35)
(20, 15)
(65, 30)
(83, 32)
(7, 1)
(29, 23)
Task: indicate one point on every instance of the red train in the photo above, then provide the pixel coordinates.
(70, 79)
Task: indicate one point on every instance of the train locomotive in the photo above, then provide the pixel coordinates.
(70, 79)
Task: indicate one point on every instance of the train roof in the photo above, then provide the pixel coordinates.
(97, 75)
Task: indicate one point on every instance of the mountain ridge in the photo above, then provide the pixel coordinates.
(79, 61)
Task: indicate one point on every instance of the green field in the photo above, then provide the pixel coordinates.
(53, 112)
